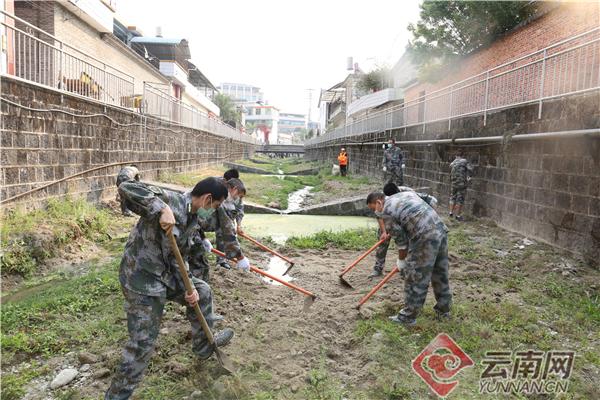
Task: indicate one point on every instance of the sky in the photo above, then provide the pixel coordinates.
(284, 47)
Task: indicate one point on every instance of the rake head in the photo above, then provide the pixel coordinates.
(308, 301)
(345, 283)
(288, 269)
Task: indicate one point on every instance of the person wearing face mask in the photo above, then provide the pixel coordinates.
(233, 208)
(391, 189)
(149, 273)
(416, 225)
(126, 174)
(393, 164)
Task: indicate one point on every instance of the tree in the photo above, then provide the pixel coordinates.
(450, 29)
(230, 114)
(375, 80)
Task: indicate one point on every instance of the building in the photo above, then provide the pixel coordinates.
(404, 74)
(242, 93)
(187, 82)
(89, 24)
(333, 101)
(262, 121)
(100, 36)
(290, 127)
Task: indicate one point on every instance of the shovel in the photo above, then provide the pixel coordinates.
(308, 300)
(355, 262)
(377, 287)
(265, 248)
(224, 361)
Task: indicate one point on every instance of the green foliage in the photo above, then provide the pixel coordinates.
(28, 238)
(353, 239)
(61, 315)
(378, 79)
(230, 114)
(450, 29)
(13, 385)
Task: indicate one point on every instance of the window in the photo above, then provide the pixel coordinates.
(257, 111)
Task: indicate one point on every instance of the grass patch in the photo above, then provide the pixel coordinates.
(28, 238)
(13, 385)
(352, 239)
(64, 315)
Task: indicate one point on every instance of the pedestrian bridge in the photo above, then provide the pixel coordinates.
(281, 149)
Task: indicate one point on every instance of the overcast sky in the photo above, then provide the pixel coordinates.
(283, 47)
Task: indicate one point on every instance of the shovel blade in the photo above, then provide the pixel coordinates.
(345, 283)
(308, 301)
(224, 361)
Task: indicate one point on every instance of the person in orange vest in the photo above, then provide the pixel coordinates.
(343, 161)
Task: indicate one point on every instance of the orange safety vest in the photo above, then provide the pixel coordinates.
(343, 159)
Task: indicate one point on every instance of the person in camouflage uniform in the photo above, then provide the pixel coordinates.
(149, 274)
(126, 174)
(393, 164)
(225, 237)
(417, 226)
(460, 175)
(391, 189)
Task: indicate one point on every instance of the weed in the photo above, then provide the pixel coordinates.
(353, 239)
(30, 238)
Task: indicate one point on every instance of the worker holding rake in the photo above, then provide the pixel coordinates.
(415, 224)
(150, 274)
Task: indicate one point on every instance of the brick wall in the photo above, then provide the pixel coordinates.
(546, 189)
(40, 147)
(566, 20)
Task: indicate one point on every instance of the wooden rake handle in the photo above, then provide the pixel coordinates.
(188, 286)
(360, 258)
(265, 248)
(377, 287)
(263, 273)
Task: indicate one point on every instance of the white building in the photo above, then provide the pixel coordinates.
(262, 121)
(242, 93)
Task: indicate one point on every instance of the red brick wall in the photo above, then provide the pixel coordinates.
(558, 24)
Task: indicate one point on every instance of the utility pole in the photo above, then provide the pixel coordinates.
(310, 91)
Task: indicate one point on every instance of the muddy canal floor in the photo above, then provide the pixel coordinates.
(509, 294)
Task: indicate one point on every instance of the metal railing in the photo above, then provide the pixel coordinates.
(569, 67)
(37, 56)
(157, 103)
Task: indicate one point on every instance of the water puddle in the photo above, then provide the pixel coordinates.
(280, 226)
(277, 268)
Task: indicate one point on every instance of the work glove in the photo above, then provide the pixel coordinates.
(403, 166)
(433, 202)
(401, 265)
(243, 264)
(207, 245)
(384, 169)
(468, 179)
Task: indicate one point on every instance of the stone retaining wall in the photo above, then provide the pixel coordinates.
(546, 189)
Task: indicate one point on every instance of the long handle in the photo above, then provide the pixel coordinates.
(360, 258)
(377, 287)
(261, 272)
(265, 248)
(188, 286)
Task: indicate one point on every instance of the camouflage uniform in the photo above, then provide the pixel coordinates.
(460, 169)
(419, 227)
(381, 252)
(126, 174)
(149, 277)
(225, 238)
(392, 161)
